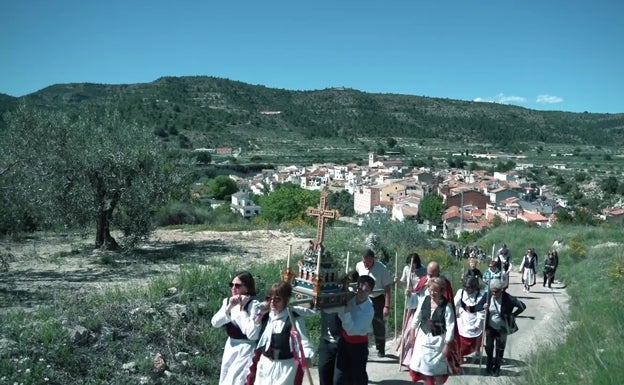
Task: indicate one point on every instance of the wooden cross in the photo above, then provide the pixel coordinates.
(322, 213)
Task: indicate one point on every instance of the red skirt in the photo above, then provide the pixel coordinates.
(469, 345)
(428, 380)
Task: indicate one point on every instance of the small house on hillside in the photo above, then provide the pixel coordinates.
(244, 206)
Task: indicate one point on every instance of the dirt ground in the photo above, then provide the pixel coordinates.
(40, 267)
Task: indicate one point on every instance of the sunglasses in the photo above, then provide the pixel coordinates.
(236, 285)
(496, 292)
(274, 299)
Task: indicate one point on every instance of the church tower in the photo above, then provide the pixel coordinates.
(372, 158)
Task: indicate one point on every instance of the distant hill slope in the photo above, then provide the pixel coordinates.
(216, 108)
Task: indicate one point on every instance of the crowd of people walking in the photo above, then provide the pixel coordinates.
(267, 340)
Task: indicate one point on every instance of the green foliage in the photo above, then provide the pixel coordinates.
(505, 166)
(50, 333)
(609, 185)
(203, 157)
(287, 202)
(178, 213)
(456, 162)
(341, 201)
(467, 238)
(84, 169)
(431, 207)
(221, 187)
(175, 109)
(396, 237)
(576, 248)
(595, 323)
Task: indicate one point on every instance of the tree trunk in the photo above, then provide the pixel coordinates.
(106, 206)
(103, 238)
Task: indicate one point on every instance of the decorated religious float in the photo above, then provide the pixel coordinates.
(317, 278)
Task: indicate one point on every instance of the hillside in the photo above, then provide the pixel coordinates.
(193, 112)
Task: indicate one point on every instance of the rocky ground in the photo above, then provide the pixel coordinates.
(38, 267)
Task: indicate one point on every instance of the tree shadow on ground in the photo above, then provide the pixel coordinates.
(98, 269)
(184, 252)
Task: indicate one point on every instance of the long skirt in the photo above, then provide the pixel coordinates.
(528, 277)
(470, 331)
(237, 359)
(265, 371)
(469, 345)
(428, 363)
(405, 350)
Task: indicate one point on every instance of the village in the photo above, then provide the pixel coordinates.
(473, 200)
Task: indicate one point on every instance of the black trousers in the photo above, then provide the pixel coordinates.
(379, 325)
(495, 340)
(351, 363)
(327, 361)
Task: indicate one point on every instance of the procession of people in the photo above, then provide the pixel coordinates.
(268, 343)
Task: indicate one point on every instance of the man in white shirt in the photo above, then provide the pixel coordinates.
(356, 318)
(381, 298)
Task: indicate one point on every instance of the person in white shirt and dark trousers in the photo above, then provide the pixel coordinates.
(355, 319)
(381, 298)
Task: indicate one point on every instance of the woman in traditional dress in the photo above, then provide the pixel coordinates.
(433, 324)
(528, 269)
(504, 264)
(236, 317)
(470, 321)
(412, 273)
(277, 363)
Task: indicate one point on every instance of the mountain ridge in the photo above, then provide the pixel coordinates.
(209, 107)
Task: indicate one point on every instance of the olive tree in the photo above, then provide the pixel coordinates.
(87, 169)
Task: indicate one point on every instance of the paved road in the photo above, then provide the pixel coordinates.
(543, 323)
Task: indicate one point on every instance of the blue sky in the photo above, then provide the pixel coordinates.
(563, 55)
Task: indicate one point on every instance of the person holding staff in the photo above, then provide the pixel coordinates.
(502, 309)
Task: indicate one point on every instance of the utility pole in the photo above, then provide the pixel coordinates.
(461, 214)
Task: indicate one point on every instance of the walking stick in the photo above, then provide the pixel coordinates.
(396, 269)
(408, 285)
(297, 347)
(486, 310)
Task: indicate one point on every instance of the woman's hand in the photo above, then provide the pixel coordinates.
(233, 301)
(244, 299)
